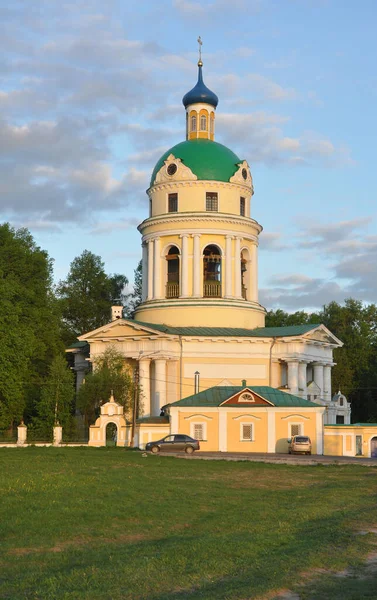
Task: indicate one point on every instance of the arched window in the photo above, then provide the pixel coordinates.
(212, 124)
(172, 283)
(243, 266)
(193, 122)
(212, 272)
(203, 123)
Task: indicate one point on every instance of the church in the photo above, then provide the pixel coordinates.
(207, 365)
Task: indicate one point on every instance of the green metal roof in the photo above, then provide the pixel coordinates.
(205, 158)
(215, 396)
(78, 345)
(230, 331)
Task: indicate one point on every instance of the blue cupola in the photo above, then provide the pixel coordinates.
(200, 93)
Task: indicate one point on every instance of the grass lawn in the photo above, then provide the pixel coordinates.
(88, 524)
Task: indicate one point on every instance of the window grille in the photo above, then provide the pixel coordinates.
(247, 432)
(242, 206)
(193, 123)
(212, 201)
(295, 430)
(199, 431)
(173, 202)
(203, 123)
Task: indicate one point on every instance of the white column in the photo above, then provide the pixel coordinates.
(21, 434)
(318, 376)
(144, 285)
(145, 386)
(150, 270)
(319, 432)
(157, 269)
(293, 376)
(57, 435)
(302, 380)
(197, 288)
(254, 274)
(184, 266)
(223, 437)
(271, 431)
(327, 383)
(228, 266)
(237, 267)
(160, 385)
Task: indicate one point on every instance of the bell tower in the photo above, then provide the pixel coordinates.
(200, 243)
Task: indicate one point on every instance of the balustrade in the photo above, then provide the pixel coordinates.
(212, 289)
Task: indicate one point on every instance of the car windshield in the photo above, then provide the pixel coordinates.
(302, 440)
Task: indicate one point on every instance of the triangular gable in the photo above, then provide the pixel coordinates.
(246, 397)
(120, 328)
(322, 334)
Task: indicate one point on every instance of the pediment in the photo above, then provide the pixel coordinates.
(324, 335)
(238, 177)
(246, 397)
(121, 328)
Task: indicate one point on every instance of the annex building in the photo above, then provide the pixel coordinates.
(208, 366)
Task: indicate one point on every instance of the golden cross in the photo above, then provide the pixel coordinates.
(200, 48)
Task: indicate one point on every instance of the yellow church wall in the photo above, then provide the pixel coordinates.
(283, 421)
(203, 315)
(260, 431)
(341, 440)
(230, 368)
(209, 419)
(192, 196)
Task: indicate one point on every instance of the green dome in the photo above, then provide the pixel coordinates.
(206, 159)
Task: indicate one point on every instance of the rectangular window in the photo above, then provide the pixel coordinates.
(198, 431)
(212, 201)
(246, 432)
(296, 429)
(340, 419)
(242, 206)
(173, 202)
(150, 207)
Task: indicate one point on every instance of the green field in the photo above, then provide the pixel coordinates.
(86, 523)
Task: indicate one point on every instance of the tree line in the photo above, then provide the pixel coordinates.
(39, 319)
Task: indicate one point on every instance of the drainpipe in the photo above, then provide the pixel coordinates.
(180, 367)
(270, 369)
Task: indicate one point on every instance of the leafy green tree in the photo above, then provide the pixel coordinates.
(88, 293)
(29, 323)
(136, 295)
(57, 397)
(280, 318)
(110, 374)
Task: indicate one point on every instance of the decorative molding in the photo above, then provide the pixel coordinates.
(238, 177)
(183, 173)
(191, 233)
(201, 216)
(247, 415)
(198, 415)
(209, 184)
(295, 415)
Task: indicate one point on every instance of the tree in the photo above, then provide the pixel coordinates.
(57, 397)
(29, 323)
(86, 296)
(136, 295)
(280, 318)
(110, 374)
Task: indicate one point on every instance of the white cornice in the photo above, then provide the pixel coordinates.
(202, 217)
(191, 232)
(207, 183)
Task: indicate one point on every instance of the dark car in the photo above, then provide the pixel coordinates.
(174, 443)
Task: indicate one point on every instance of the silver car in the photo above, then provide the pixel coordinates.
(300, 443)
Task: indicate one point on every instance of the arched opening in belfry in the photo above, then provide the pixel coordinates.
(172, 270)
(244, 262)
(212, 272)
(111, 434)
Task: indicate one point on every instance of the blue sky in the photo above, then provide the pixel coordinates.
(90, 97)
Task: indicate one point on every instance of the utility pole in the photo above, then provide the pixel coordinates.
(135, 404)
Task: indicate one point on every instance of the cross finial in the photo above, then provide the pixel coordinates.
(200, 63)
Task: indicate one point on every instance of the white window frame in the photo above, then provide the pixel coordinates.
(196, 123)
(300, 425)
(242, 439)
(205, 201)
(192, 430)
(204, 117)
